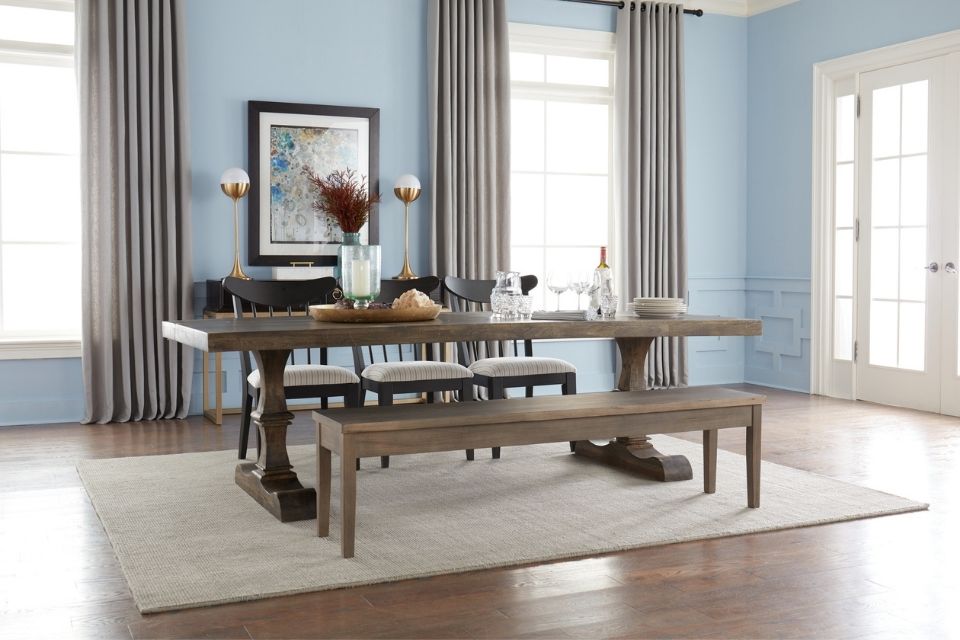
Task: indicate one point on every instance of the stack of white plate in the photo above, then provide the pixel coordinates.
(657, 307)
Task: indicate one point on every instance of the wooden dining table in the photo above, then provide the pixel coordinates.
(272, 481)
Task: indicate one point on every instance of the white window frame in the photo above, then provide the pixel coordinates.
(29, 347)
(527, 38)
(828, 376)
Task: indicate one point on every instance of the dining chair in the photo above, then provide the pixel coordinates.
(273, 298)
(493, 366)
(390, 370)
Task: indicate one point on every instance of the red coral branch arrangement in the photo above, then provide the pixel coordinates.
(343, 196)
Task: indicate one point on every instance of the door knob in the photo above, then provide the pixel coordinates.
(950, 267)
(933, 267)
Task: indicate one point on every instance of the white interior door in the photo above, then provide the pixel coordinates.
(905, 153)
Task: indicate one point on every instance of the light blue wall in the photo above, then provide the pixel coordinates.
(374, 54)
(783, 46)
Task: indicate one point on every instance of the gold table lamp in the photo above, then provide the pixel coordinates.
(407, 188)
(236, 183)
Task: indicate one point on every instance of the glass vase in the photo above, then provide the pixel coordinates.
(360, 273)
(349, 240)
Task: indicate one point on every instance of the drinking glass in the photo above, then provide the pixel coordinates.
(558, 282)
(525, 307)
(608, 305)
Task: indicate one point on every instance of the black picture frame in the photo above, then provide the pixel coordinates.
(263, 117)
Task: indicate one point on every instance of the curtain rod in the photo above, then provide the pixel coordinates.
(620, 4)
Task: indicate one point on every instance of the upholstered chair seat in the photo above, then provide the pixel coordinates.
(411, 371)
(520, 366)
(301, 375)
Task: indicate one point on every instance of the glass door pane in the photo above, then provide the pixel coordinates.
(898, 233)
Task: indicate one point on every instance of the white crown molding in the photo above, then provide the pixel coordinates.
(737, 8)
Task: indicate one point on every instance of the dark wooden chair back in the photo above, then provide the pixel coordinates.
(273, 298)
(389, 291)
(474, 295)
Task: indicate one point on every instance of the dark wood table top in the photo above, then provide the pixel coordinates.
(256, 334)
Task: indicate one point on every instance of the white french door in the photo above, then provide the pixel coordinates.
(909, 237)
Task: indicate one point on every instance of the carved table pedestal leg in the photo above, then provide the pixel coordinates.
(271, 480)
(636, 454)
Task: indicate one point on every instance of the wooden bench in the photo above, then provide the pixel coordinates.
(387, 431)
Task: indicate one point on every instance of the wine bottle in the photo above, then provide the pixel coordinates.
(602, 281)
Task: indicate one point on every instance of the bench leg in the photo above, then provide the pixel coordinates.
(323, 488)
(710, 461)
(348, 501)
(753, 459)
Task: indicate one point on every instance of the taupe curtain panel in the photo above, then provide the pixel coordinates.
(136, 207)
(649, 137)
(469, 108)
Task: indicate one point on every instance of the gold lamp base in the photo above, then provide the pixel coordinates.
(406, 273)
(238, 270)
(407, 195)
(235, 191)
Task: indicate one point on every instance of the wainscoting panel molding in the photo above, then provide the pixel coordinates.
(716, 360)
(781, 356)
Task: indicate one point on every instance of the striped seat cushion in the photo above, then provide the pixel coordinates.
(308, 375)
(508, 367)
(415, 370)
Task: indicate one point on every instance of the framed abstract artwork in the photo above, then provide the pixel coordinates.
(284, 139)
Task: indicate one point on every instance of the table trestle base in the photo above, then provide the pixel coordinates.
(645, 461)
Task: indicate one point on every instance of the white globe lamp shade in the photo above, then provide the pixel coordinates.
(407, 181)
(235, 175)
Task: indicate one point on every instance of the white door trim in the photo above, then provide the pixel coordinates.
(825, 377)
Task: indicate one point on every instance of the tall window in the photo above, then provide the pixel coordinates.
(844, 230)
(39, 175)
(561, 151)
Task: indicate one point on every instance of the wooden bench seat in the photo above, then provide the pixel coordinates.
(382, 431)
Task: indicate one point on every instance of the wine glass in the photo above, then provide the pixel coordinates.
(558, 282)
(581, 283)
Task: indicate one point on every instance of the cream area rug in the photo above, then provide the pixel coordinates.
(187, 536)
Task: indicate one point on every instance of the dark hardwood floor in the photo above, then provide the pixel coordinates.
(891, 577)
